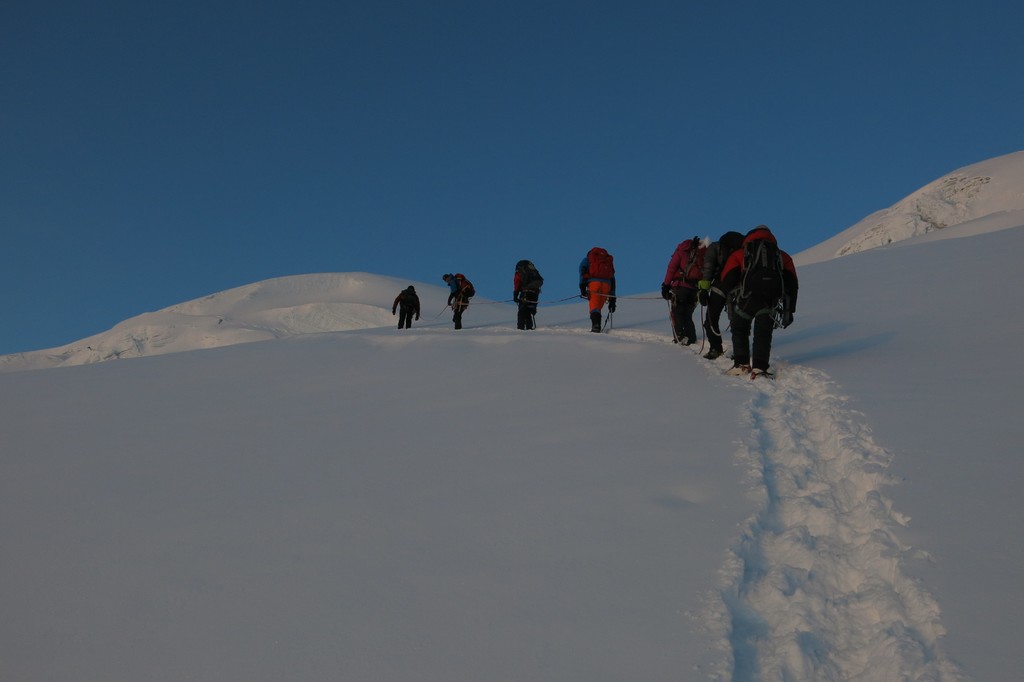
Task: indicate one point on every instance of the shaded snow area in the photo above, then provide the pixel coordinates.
(552, 505)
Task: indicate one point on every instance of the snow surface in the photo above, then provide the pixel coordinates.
(978, 198)
(376, 504)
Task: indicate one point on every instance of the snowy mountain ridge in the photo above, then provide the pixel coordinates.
(275, 308)
(991, 191)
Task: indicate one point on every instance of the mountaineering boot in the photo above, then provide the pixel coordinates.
(595, 321)
(738, 370)
(713, 354)
(758, 372)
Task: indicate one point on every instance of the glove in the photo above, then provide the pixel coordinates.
(417, 316)
(702, 296)
(666, 292)
(611, 304)
(704, 284)
(515, 297)
(392, 311)
(583, 291)
(450, 297)
(787, 318)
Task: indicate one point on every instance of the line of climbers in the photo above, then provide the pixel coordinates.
(748, 276)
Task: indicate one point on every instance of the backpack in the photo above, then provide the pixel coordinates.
(529, 276)
(466, 289)
(693, 270)
(600, 264)
(762, 283)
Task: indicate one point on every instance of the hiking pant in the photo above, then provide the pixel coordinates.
(527, 309)
(599, 293)
(711, 325)
(459, 305)
(684, 301)
(763, 324)
(405, 315)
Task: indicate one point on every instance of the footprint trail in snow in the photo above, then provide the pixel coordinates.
(814, 588)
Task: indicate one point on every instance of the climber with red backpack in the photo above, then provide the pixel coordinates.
(679, 288)
(461, 291)
(526, 285)
(597, 284)
(760, 280)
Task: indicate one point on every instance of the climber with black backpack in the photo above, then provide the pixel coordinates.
(408, 304)
(760, 279)
(679, 288)
(526, 284)
(597, 284)
(714, 260)
(461, 291)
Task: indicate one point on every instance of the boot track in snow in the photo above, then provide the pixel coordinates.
(815, 588)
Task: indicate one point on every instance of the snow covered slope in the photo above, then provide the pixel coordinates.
(344, 500)
(983, 197)
(550, 505)
(287, 306)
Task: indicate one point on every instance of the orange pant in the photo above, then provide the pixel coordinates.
(599, 292)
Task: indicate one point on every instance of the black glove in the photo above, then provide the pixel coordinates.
(702, 296)
(392, 311)
(515, 297)
(788, 309)
(583, 291)
(611, 304)
(666, 292)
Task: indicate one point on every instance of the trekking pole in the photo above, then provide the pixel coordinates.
(607, 322)
(671, 321)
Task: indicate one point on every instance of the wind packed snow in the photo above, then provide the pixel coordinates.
(344, 500)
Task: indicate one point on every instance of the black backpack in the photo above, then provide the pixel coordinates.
(529, 276)
(762, 284)
(408, 298)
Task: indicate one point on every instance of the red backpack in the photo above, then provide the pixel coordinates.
(600, 264)
(692, 270)
(465, 286)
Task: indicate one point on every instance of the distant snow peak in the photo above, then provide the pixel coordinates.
(275, 308)
(983, 197)
(940, 204)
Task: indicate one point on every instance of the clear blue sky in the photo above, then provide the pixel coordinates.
(151, 153)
